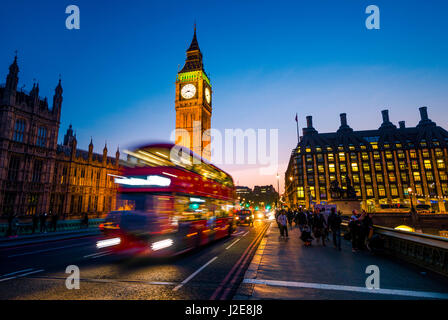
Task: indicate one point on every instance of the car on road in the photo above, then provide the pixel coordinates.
(244, 217)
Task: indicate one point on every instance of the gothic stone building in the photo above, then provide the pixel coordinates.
(388, 167)
(38, 175)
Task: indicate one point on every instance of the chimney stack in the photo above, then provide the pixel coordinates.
(309, 121)
(343, 119)
(385, 114)
(402, 124)
(424, 113)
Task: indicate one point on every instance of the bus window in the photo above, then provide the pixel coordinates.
(131, 202)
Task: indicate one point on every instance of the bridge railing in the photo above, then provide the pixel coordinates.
(427, 251)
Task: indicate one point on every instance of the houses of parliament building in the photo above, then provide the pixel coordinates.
(36, 173)
(388, 167)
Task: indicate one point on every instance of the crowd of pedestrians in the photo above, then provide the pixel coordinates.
(318, 224)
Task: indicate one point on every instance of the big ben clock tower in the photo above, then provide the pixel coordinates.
(193, 103)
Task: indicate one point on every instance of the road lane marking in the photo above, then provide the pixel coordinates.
(163, 283)
(245, 234)
(193, 274)
(322, 286)
(97, 254)
(43, 250)
(234, 268)
(233, 243)
(10, 274)
(21, 275)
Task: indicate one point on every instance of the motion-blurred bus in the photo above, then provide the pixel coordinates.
(169, 201)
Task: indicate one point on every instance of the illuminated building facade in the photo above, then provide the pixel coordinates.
(388, 167)
(36, 174)
(194, 103)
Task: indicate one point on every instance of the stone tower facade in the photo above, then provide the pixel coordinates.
(194, 103)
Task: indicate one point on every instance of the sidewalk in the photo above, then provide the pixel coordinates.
(21, 240)
(286, 269)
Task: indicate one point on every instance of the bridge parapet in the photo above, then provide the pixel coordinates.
(427, 251)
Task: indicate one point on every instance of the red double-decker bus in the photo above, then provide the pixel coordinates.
(169, 201)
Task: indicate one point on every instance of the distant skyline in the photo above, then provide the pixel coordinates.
(267, 61)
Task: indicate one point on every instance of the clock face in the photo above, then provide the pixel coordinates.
(207, 95)
(188, 91)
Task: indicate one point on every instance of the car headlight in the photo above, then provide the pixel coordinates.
(237, 218)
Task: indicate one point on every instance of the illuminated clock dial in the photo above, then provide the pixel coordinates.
(207, 95)
(188, 91)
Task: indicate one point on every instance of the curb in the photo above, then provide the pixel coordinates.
(245, 290)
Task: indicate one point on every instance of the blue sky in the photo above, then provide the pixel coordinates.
(267, 61)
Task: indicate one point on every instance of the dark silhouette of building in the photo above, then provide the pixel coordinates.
(387, 168)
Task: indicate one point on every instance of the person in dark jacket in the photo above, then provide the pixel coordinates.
(43, 222)
(54, 221)
(319, 225)
(367, 226)
(301, 219)
(354, 227)
(334, 223)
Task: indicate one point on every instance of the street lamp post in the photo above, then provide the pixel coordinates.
(278, 190)
(414, 215)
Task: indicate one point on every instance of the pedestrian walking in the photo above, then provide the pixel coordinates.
(85, 221)
(302, 219)
(319, 225)
(10, 221)
(283, 224)
(367, 226)
(354, 226)
(35, 222)
(334, 223)
(305, 235)
(54, 221)
(43, 222)
(14, 226)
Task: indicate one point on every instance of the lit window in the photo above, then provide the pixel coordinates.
(354, 167)
(417, 176)
(428, 164)
(381, 191)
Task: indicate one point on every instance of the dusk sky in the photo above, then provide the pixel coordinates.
(266, 63)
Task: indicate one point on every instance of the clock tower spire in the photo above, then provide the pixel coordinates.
(193, 103)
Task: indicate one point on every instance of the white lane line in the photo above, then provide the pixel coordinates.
(162, 283)
(44, 250)
(10, 274)
(233, 243)
(101, 255)
(97, 254)
(322, 286)
(21, 275)
(193, 275)
(245, 234)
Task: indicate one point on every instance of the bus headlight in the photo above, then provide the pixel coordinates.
(161, 244)
(108, 243)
